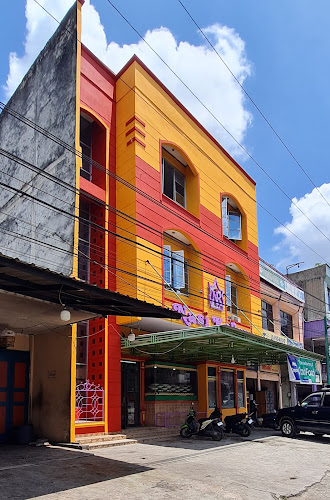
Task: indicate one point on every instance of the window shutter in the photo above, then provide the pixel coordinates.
(225, 219)
(228, 292)
(178, 269)
(235, 226)
(167, 264)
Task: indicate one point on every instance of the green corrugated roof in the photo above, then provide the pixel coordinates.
(213, 343)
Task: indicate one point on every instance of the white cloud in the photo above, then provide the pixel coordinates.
(39, 27)
(197, 65)
(315, 207)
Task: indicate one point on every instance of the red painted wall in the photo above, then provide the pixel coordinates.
(97, 94)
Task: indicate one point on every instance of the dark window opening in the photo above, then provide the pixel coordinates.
(267, 316)
(86, 130)
(286, 324)
(174, 183)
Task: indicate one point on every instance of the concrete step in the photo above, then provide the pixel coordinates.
(83, 439)
(107, 444)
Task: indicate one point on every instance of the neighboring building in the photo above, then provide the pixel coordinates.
(282, 307)
(154, 208)
(39, 261)
(316, 284)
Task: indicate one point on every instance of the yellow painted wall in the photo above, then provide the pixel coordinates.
(211, 173)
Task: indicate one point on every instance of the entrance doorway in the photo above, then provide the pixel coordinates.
(14, 391)
(130, 394)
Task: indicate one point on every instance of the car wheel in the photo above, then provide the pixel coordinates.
(288, 428)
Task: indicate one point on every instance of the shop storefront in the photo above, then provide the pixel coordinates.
(207, 367)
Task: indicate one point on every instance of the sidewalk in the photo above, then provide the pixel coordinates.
(263, 467)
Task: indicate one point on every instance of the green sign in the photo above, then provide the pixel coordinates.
(304, 371)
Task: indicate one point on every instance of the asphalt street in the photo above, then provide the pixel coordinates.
(264, 467)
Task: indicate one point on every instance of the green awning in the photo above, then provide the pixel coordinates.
(213, 343)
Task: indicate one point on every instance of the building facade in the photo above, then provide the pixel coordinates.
(282, 310)
(157, 211)
(316, 284)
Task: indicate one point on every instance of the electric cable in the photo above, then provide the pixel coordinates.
(253, 101)
(221, 124)
(218, 167)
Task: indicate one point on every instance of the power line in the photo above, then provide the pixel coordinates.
(199, 271)
(221, 124)
(112, 234)
(319, 256)
(277, 220)
(253, 102)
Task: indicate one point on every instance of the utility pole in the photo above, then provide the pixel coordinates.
(326, 345)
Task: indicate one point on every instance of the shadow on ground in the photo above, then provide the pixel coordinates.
(203, 443)
(308, 436)
(28, 472)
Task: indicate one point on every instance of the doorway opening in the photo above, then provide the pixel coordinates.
(130, 394)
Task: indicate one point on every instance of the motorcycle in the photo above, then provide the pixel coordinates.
(208, 427)
(238, 424)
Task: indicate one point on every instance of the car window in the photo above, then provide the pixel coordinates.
(326, 400)
(312, 400)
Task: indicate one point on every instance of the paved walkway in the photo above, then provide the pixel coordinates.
(266, 467)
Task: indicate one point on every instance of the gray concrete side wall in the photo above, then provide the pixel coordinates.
(312, 282)
(29, 229)
(50, 385)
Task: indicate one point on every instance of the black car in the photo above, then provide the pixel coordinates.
(312, 414)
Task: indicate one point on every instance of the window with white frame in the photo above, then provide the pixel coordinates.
(175, 270)
(231, 295)
(231, 220)
(174, 183)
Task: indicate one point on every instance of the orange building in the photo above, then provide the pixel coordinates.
(141, 202)
(174, 223)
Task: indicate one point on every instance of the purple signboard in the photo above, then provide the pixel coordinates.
(215, 296)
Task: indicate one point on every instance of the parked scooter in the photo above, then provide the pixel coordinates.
(208, 427)
(238, 424)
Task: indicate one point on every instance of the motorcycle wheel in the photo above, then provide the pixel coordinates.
(185, 432)
(218, 435)
(244, 430)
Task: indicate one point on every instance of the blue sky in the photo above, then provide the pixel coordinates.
(286, 71)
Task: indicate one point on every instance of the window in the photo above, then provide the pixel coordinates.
(231, 296)
(240, 389)
(312, 400)
(86, 147)
(231, 220)
(174, 183)
(163, 380)
(267, 316)
(212, 386)
(175, 269)
(326, 400)
(84, 240)
(286, 324)
(227, 389)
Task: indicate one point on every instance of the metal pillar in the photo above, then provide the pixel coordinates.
(326, 348)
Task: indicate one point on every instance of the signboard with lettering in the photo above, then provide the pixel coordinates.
(188, 318)
(304, 371)
(272, 276)
(215, 296)
(281, 339)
